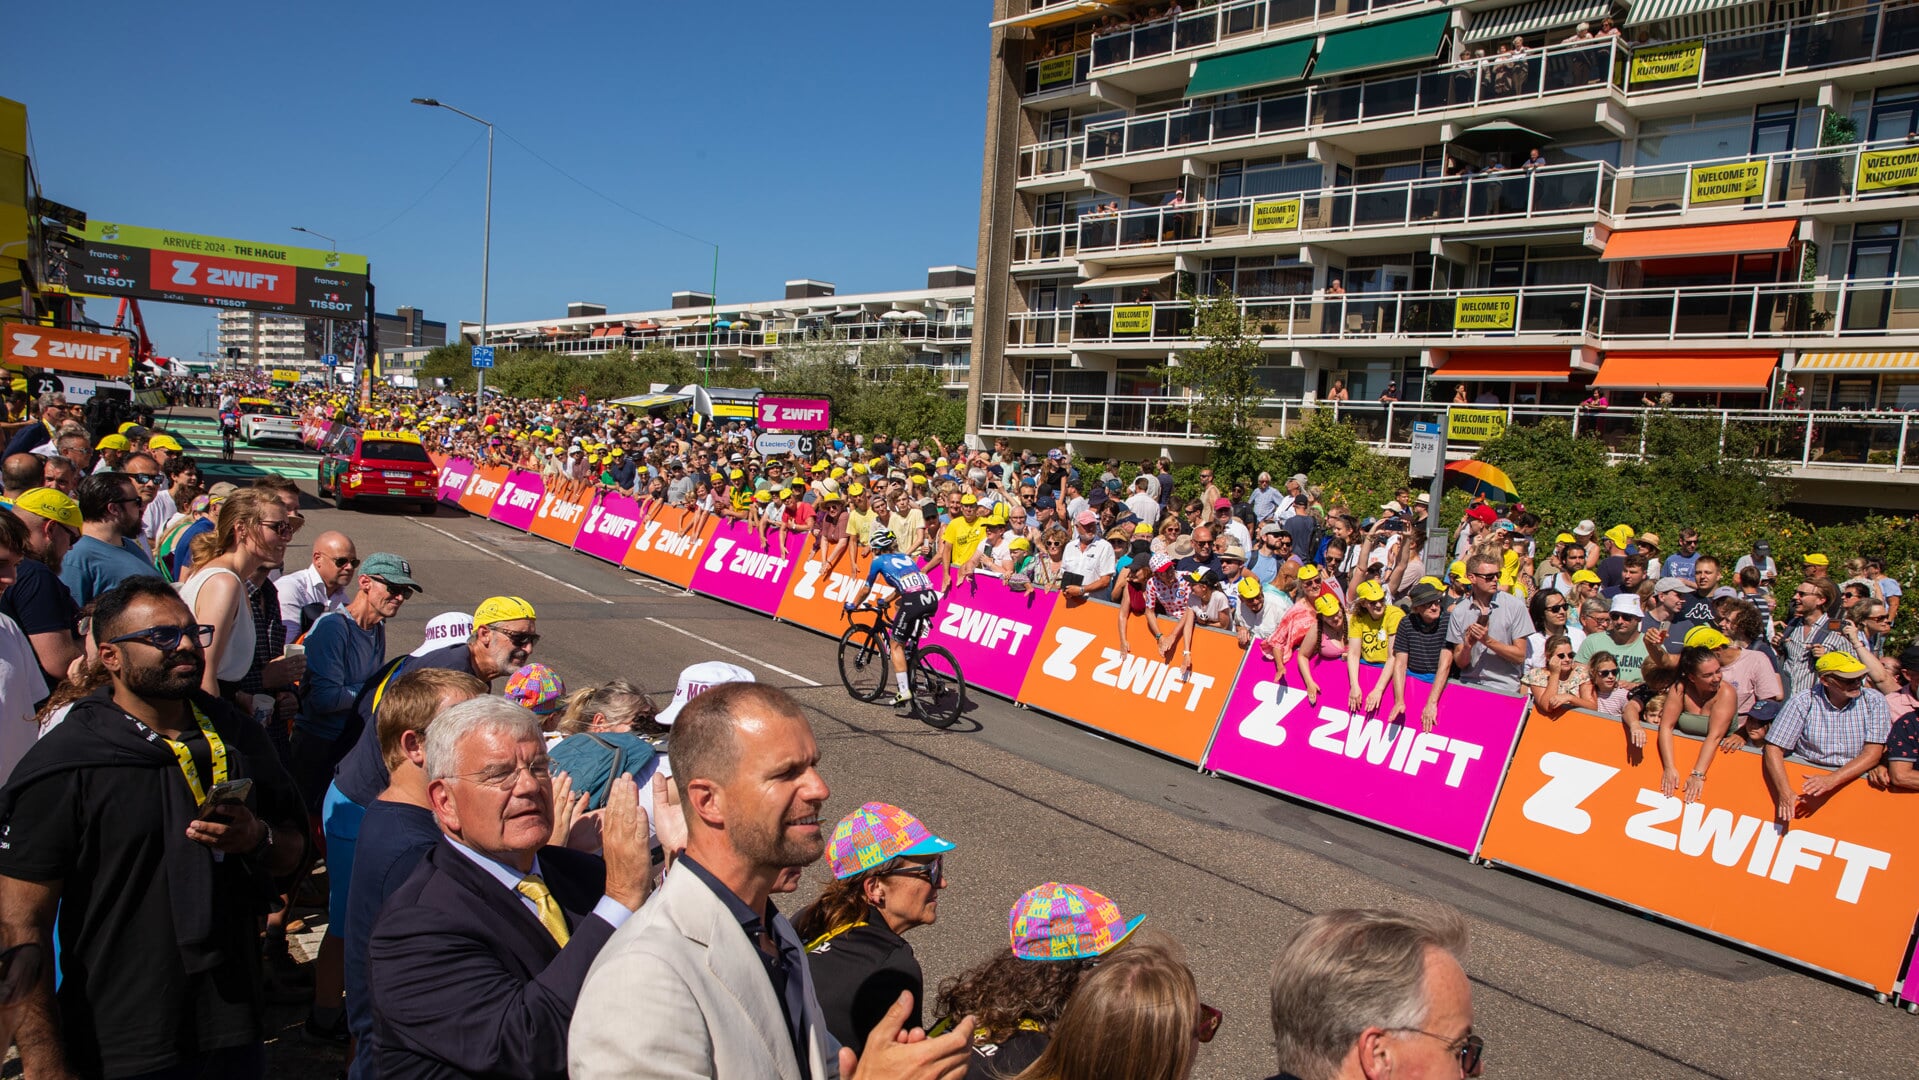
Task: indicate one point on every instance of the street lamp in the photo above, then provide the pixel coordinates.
(486, 236)
(335, 248)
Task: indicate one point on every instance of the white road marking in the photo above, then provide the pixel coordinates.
(733, 652)
(510, 562)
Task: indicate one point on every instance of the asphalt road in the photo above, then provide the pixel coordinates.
(1564, 986)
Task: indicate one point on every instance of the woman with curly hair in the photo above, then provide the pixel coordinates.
(1059, 934)
(888, 870)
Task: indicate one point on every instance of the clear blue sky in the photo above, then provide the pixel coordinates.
(838, 140)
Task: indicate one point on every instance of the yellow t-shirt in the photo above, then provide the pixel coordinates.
(965, 536)
(1374, 635)
(859, 525)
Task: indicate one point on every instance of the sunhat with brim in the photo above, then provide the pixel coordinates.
(876, 834)
(1844, 665)
(1056, 921)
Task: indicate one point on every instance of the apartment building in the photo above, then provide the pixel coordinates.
(934, 324)
(1511, 203)
(260, 339)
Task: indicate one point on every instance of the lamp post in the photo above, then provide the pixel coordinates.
(335, 248)
(486, 238)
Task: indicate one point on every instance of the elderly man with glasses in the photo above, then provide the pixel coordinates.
(320, 586)
(1838, 723)
(180, 802)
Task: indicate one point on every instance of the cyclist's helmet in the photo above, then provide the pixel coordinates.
(882, 539)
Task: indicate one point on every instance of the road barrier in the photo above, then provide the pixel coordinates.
(518, 500)
(1436, 785)
(1560, 799)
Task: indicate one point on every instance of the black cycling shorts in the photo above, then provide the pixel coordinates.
(915, 609)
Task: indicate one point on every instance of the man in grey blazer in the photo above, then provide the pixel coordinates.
(709, 980)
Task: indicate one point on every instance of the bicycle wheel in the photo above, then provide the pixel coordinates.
(939, 690)
(864, 663)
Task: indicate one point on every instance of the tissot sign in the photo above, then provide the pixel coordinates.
(158, 264)
(795, 414)
(97, 355)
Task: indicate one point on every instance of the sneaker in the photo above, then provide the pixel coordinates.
(901, 699)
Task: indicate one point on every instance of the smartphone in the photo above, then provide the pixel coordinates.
(1486, 617)
(229, 791)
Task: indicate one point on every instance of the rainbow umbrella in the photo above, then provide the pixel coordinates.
(1486, 481)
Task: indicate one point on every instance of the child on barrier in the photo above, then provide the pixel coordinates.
(1609, 698)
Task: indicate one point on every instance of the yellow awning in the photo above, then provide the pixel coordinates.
(1054, 14)
(1858, 361)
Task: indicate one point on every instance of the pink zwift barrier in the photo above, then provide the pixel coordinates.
(454, 473)
(518, 500)
(738, 568)
(1437, 785)
(609, 527)
(993, 631)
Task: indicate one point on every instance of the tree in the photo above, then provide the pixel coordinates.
(1223, 380)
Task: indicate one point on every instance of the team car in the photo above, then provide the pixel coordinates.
(378, 466)
(264, 420)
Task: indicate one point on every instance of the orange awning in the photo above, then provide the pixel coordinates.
(1683, 369)
(1054, 14)
(1488, 365)
(1679, 241)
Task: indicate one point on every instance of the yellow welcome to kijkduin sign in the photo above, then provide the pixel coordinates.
(1881, 169)
(1659, 63)
(1279, 215)
(1717, 183)
(1133, 320)
(1055, 70)
(1485, 312)
(1474, 425)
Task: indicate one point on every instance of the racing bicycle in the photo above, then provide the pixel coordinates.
(932, 673)
(228, 425)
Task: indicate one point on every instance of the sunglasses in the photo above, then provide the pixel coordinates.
(521, 639)
(283, 528)
(932, 873)
(343, 563)
(144, 478)
(168, 638)
(1605, 673)
(135, 501)
(405, 592)
(1554, 608)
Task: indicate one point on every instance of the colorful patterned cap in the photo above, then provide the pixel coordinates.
(1066, 922)
(877, 833)
(537, 687)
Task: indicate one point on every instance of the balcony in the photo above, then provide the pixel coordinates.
(1862, 173)
(1199, 31)
(1051, 160)
(694, 339)
(1873, 308)
(1549, 73)
(1051, 73)
(1824, 444)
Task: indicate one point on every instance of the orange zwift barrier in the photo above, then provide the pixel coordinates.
(1837, 890)
(666, 547)
(1079, 673)
(562, 510)
(482, 488)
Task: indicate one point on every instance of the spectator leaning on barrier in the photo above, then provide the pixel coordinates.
(1369, 994)
(1838, 723)
(1257, 612)
(1419, 648)
(1488, 631)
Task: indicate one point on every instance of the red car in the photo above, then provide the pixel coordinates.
(378, 466)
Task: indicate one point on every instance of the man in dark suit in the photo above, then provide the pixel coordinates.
(474, 963)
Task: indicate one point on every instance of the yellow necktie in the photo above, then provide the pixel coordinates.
(535, 890)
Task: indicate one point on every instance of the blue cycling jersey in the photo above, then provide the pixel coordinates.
(901, 571)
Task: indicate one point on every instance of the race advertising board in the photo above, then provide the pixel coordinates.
(748, 570)
(482, 488)
(668, 546)
(1438, 785)
(795, 414)
(992, 631)
(161, 264)
(519, 497)
(1837, 890)
(609, 528)
(561, 512)
(1080, 672)
(819, 592)
(99, 356)
(454, 474)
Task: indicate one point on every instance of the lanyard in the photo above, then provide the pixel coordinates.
(185, 757)
(831, 934)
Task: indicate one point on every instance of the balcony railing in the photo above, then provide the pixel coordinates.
(1050, 73)
(1570, 68)
(689, 338)
(1769, 52)
(1848, 308)
(1202, 29)
(1866, 443)
(1055, 157)
(1830, 174)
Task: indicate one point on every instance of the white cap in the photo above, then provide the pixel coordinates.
(445, 629)
(697, 680)
(1627, 603)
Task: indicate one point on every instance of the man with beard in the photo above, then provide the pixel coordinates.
(176, 802)
(715, 970)
(106, 553)
(37, 600)
(475, 961)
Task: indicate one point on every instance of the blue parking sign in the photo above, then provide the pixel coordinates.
(482, 356)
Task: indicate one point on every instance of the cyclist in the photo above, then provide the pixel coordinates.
(917, 598)
(229, 427)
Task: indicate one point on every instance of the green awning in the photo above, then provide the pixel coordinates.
(1253, 67)
(1382, 45)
